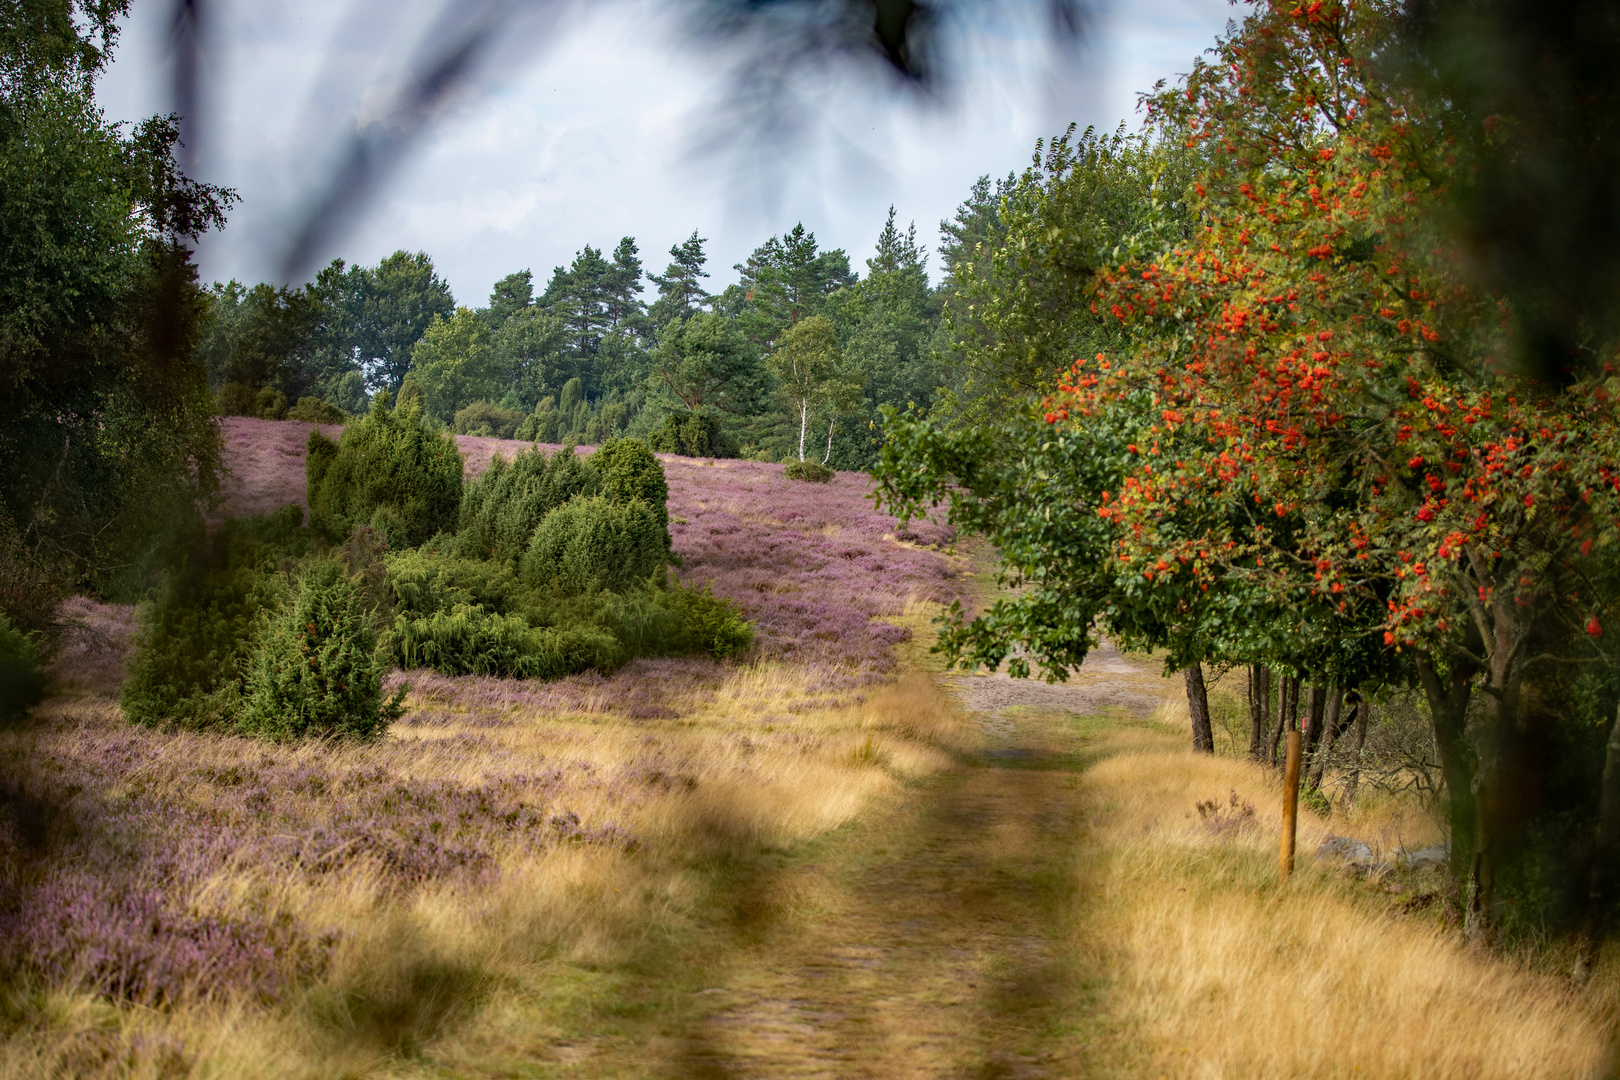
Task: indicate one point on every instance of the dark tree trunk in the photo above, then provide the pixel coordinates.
(1605, 854)
(1332, 728)
(1312, 735)
(1495, 748)
(1287, 712)
(1259, 710)
(1358, 739)
(1198, 706)
(1448, 696)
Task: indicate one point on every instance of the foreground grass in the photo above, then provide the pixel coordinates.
(845, 882)
(1216, 969)
(573, 947)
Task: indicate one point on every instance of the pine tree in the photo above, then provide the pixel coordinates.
(578, 296)
(679, 290)
(621, 287)
(787, 280)
(512, 294)
(896, 252)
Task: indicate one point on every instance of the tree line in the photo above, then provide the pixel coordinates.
(800, 344)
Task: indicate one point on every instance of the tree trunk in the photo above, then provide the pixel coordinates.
(830, 424)
(1259, 710)
(1290, 807)
(1287, 712)
(1447, 697)
(1198, 706)
(1358, 739)
(1313, 727)
(1605, 853)
(1332, 728)
(804, 420)
(1495, 745)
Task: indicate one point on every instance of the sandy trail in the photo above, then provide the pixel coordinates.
(926, 941)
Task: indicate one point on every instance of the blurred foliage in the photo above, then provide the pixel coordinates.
(199, 628)
(108, 448)
(21, 682)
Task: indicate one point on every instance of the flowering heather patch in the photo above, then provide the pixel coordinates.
(95, 640)
(265, 459)
(814, 566)
(110, 837)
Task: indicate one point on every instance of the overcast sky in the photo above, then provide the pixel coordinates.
(611, 122)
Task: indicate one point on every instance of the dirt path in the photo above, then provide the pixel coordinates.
(926, 941)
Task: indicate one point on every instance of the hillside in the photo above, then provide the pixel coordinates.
(814, 565)
(825, 858)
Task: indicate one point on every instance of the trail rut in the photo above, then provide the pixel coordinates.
(929, 940)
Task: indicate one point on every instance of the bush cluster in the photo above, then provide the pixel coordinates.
(597, 545)
(487, 418)
(557, 566)
(810, 471)
(389, 471)
(239, 399)
(314, 410)
(501, 508)
(692, 434)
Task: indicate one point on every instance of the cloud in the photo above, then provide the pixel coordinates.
(594, 128)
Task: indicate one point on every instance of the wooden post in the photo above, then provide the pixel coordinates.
(1290, 799)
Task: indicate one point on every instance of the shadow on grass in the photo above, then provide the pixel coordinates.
(964, 898)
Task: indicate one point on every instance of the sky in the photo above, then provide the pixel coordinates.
(596, 121)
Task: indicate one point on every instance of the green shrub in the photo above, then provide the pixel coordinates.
(629, 474)
(318, 671)
(312, 410)
(431, 578)
(197, 632)
(236, 399)
(487, 418)
(540, 425)
(21, 682)
(592, 544)
(501, 507)
(270, 404)
(387, 470)
(469, 639)
(674, 621)
(812, 471)
(411, 396)
(708, 623)
(693, 435)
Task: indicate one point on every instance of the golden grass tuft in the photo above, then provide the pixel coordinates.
(1216, 970)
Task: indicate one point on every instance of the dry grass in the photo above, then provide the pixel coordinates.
(452, 972)
(1217, 971)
